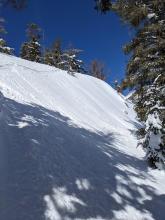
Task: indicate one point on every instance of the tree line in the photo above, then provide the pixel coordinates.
(65, 59)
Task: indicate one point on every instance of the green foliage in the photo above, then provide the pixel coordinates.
(4, 48)
(64, 59)
(145, 70)
(103, 5)
(53, 56)
(33, 31)
(71, 63)
(130, 11)
(31, 50)
(3, 45)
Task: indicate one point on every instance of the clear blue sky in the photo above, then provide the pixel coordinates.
(74, 21)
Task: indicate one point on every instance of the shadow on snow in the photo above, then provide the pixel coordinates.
(80, 171)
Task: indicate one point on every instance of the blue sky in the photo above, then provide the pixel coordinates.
(76, 22)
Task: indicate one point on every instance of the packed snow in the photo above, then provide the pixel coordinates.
(68, 149)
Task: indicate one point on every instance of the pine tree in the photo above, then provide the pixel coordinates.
(4, 48)
(64, 59)
(103, 5)
(154, 132)
(17, 4)
(53, 56)
(3, 45)
(145, 70)
(97, 69)
(31, 50)
(57, 53)
(70, 61)
(48, 57)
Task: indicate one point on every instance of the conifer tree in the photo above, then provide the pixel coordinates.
(57, 53)
(102, 5)
(145, 70)
(48, 57)
(17, 4)
(64, 59)
(153, 140)
(53, 56)
(97, 69)
(70, 61)
(3, 45)
(31, 50)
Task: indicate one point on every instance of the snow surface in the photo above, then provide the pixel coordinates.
(68, 149)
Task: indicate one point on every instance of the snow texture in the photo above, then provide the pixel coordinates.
(68, 149)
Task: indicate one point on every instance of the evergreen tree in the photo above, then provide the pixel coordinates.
(65, 60)
(102, 5)
(57, 53)
(48, 57)
(153, 140)
(53, 56)
(17, 4)
(145, 70)
(3, 45)
(70, 61)
(31, 50)
(4, 48)
(97, 69)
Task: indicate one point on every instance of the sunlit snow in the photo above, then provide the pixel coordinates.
(68, 149)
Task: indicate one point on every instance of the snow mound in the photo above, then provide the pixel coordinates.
(68, 149)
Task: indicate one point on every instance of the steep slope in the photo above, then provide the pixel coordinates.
(68, 149)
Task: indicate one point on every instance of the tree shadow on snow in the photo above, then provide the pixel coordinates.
(73, 173)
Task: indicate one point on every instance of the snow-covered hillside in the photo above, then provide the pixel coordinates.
(68, 150)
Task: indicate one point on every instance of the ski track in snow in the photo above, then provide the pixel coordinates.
(68, 150)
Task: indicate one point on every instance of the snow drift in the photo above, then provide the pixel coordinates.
(68, 149)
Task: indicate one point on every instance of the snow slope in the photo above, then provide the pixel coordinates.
(68, 150)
